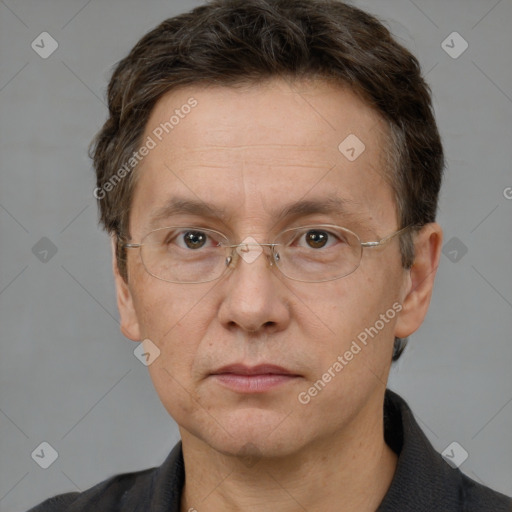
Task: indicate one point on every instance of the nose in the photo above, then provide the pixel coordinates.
(254, 296)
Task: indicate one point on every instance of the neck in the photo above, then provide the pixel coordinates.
(347, 471)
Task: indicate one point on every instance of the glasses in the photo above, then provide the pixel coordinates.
(311, 254)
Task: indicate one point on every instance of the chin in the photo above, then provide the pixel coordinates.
(251, 432)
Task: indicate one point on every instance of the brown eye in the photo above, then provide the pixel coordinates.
(317, 239)
(194, 239)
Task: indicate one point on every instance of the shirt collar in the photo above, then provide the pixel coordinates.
(423, 481)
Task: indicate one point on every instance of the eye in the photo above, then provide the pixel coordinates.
(192, 239)
(316, 239)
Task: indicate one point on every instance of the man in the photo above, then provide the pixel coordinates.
(269, 174)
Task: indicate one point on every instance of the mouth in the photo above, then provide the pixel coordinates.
(253, 379)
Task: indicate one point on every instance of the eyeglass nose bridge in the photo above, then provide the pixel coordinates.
(245, 247)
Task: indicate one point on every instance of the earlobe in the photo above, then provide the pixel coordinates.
(129, 321)
(420, 282)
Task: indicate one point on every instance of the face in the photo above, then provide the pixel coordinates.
(247, 157)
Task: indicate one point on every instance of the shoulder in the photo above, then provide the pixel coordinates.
(115, 494)
(477, 497)
(423, 480)
(149, 490)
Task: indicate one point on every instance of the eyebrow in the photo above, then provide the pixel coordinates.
(181, 206)
(327, 206)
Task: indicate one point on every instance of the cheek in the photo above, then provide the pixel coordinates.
(165, 309)
(167, 319)
(350, 313)
(174, 390)
(353, 358)
(175, 325)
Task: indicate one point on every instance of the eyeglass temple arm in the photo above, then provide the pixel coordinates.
(386, 239)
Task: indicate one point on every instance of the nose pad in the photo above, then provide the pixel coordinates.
(233, 259)
(272, 255)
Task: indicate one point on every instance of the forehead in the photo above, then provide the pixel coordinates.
(310, 116)
(254, 147)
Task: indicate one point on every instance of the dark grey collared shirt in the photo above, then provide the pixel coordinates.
(423, 481)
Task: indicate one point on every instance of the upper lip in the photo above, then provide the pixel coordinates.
(260, 369)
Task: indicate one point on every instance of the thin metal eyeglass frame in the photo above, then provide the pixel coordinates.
(377, 243)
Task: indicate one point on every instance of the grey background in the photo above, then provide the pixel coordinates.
(68, 377)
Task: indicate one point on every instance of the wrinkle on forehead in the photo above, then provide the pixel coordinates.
(287, 155)
(243, 160)
(250, 146)
(256, 150)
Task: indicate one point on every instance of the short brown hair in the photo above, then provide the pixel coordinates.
(232, 42)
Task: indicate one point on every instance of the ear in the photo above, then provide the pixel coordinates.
(420, 281)
(129, 322)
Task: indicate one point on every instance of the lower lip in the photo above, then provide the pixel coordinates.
(253, 383)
